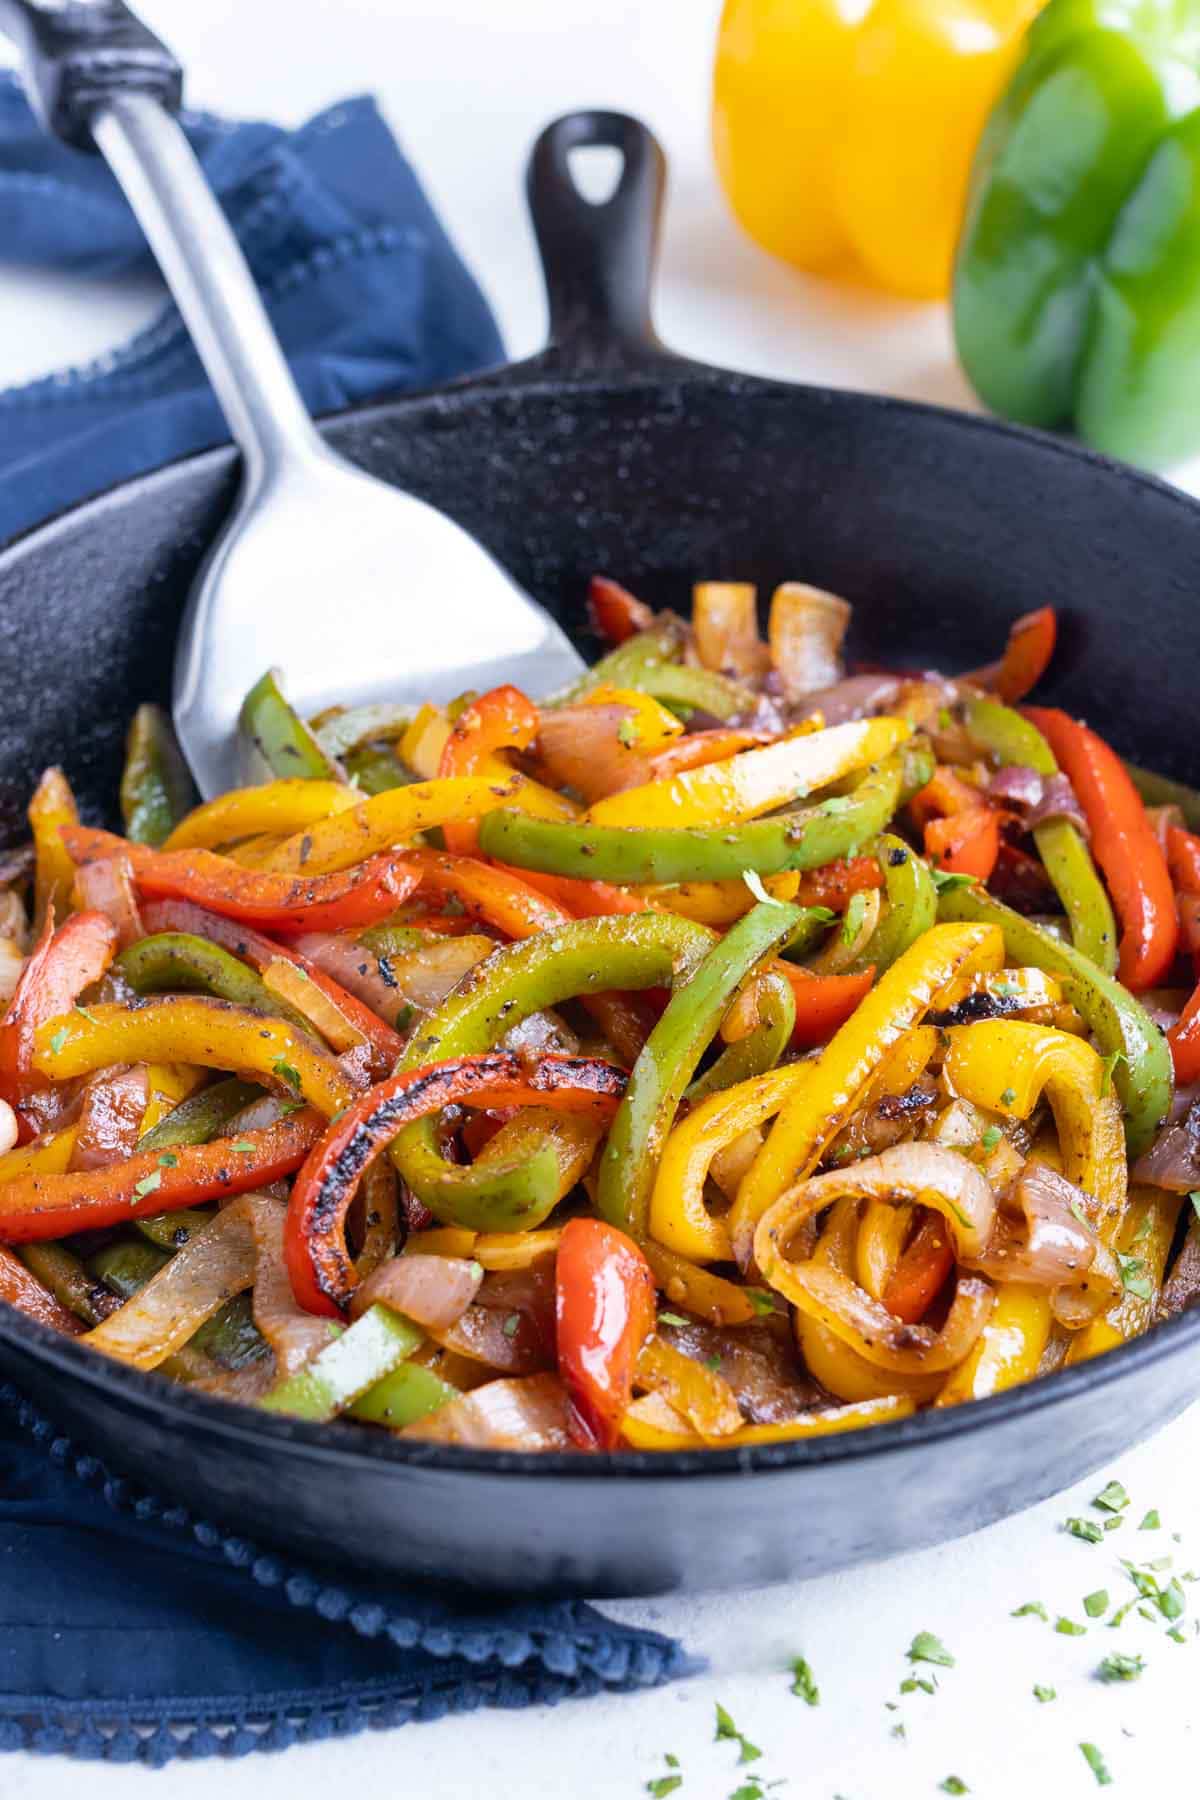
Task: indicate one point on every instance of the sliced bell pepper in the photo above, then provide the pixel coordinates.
(1145, 1239)
(1125, 1033)
(652, 1424)
(809, 1123)
(658, 644)
(837, 882)
(701, 747)
(63, 964)
(616, 614)
(1183, 859)
(757, 781)
(33, 1207)
(500, 720)
(174, 961)
(911, 902)
(209, 1033)
(156, 787)
(604, 1312)
(1008, 1350)
(201, 1116)
(1031, 640)
(920, 1274)
(299, 902)
(1014, 739)
(630, 1158)
(354, 1363)
(649, 723)
(278, 737)
(283, 806)
(761, 1047)
(52, 807)
(718, 903)
(1123, 843)
(400, 1398)
(965, 843)
(322, 1274)
(22, 1289)
(803, 839)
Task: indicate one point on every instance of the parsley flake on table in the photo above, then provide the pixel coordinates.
(925, 1647)
(1044, 1693)
(953, 1784)
(804, 1682)
(747, 1752)
(1121, 1667)
(1172, 1602)
(662, 1785)
(1096, 1604)
(1069, 1628)
(1030, 1609)
(1111, 1498)
(1096, 1764)
(1151, 1522)
(1087, 1529)
(912, 1683)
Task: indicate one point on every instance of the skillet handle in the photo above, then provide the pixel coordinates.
(598, 260)
(77, 56)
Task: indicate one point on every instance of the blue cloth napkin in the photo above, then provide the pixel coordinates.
(363, 286)
(128, 1629)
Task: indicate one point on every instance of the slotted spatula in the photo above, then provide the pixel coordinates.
(357, 591)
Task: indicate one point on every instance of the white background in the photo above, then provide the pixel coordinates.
(467, 83)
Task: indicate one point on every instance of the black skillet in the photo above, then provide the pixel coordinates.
(607, 453)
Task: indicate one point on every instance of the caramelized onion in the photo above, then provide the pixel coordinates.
(1182, 1286)
(1017, 785)
(1059, 801)
(294, 1334)
(510, 1323)
(529, 1414)
(110, 1117)
(806, 631)
(1055, 1249)
(857, 697)
(107, 886)
(1173, 1159)
(581, 747)
(725, 628)
(434, 1291)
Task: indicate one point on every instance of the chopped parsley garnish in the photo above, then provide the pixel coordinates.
(662, 1785)
(1031, 1608)
(1087, 1529)
(1178, 1636)
(1195, 1200)
(712, 1364)
(627, 731)
(803, 1682)
(945, 882)
(1068, 1628)
(1111, 1498)
(1044, 1693)
(925, 1647)
(1096, 1604)
(405, 1016)
(855, 913)
(1115, 1523)
(1008, 1096)
(747, 1752)
(285, 1072)
(1134, 1278)
(953, 1784)
(511, 1325)
(754, 882)
(147, 1184)
(59, 1038)
(85, 1014)
(912, 1683)
(1172, 1601)
(1096, 1764)
(168, 1160)
(761, 1301)
(1109, 1069)
(243, 1147)
(991, 1138)
(670, 1318)
(944, 719)
(288, 1107)
(1151, 1522)
(1121, 1667)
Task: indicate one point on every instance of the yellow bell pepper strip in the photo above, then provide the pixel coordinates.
(911, 904)
(49, 1155)
(396, 817)
(280, 807)
(1143, 1245)
(760, 1048)
(167, 1086)
(718, 903)
(699, 1292)
(1007, 1065)
(355, 1363)
(502, 719)
(757, 781)
(210, 1033)
(701, 1395)
(512, 1249)
(651, 1423)
(278, 738)
(812, 1119)
(1013, 739)
(803, 839)
(156, 787)
(835, 128)
(1124, 1032)
(882, 1233)
(650, 725)
(52, 806)
(422, 744)
(679, 1218)
(631, 1155)
(1009, 1348)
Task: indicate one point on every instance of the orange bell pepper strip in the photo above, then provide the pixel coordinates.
(1183, 859)
(52, 806)
(1130, 856)
(281, 902)
(836, 883)
(1031, 640)
(1184, 1039)
(23, 1290)
(502, 719)
(63, 964)
(318, 1261)
(604, 1312)
(616, 614)
(967, 843)
(37, 1207)
(921, 1272)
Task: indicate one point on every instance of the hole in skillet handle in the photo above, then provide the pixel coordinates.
(597, 254)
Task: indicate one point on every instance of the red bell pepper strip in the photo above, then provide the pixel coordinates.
(604, 1312)
(259, 952)
(836, 883)
(23, 1290)
(502, 719)
(33, 1207)
(359, 896)
(1184, 1039)
(920, 1274)
(63, 964)
(944, 795)
(1183, 859)
(1026, 658)
(1123, 843)
(966, 843)
(318, 1261)
(616, 614)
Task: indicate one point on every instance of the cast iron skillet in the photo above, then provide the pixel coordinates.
(607, 453)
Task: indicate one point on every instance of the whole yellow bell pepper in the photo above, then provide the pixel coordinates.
(844, 132)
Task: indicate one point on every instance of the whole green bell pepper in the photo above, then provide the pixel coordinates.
(1077, 283)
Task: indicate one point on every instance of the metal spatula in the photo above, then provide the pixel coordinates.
(357, 591)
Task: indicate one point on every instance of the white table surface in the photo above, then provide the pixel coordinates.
(467, 83)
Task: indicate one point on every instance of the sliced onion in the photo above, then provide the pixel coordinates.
(541, 1034)
(290, 982)
(806, 631)
(868, 1328)
(424, 977)
(1182, 1286)
(1017, 785)
(9, 1129)
(110, 1118)
(758, 1361)
(581, 748)
(434, 1291)
(294, 1334)
(529, 1414)
(12, 963)
(352, 967)
(1173, 1159)
(857, 697)
(107, 886)
(924, 1174)
(1054, 1249)
(1059, 801)
(725, 628)
(510, 1324)
(700, 1393)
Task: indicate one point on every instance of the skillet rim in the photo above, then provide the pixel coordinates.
(540, 378)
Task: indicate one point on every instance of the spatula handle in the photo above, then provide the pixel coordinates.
(76, 54)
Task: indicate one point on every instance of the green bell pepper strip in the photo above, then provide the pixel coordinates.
(409, 1393)
(171, 961)
(279, 739)
(357, 726)
(201, 1117)
(157, 789)
(64, 1274)
(803, 839)
(629, 663)
(586, 956)
(911, 904)
(1160, 790)
(631, 1154)
(1077, 285)
(229, 1338)
(1142, 1074)
(1065, 855)
(355, 1362)
(397, 940)
(703, 690)
(374, 770)
(759, 1050)
(171, 1231)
